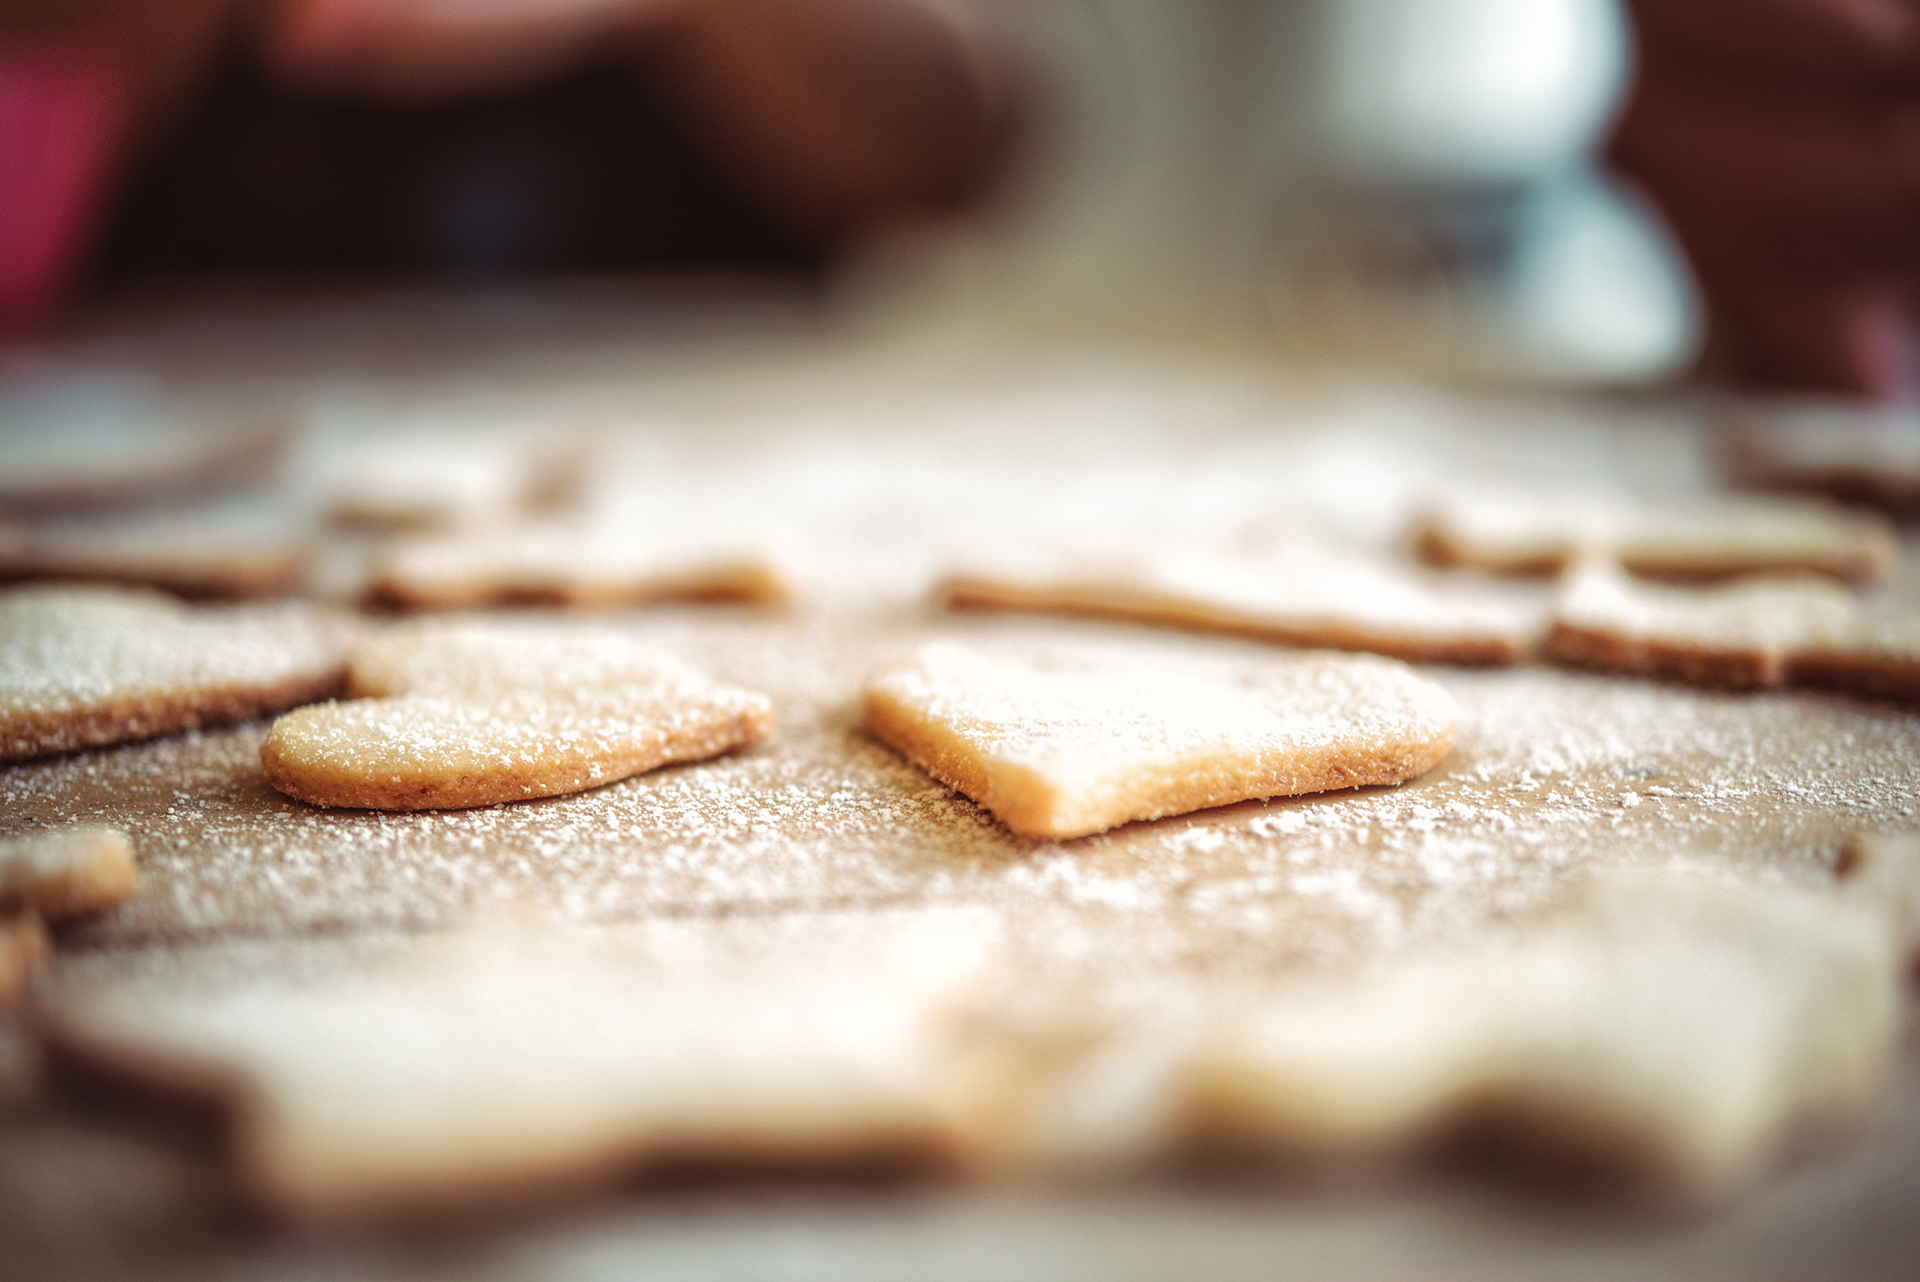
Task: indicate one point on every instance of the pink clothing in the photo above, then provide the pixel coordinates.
(60, 118)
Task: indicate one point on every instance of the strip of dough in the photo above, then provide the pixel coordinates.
(1309, 596)
(1541, 533)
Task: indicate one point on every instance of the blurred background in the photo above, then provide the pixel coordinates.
(1410, 185)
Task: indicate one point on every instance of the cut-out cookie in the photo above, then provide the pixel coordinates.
(67, 872)
(1745, 633)
(426, 480)
(80, 667)
(374, 1076)
(1512, 533)
(1879, 657)
(23, 949)
(1066, 741)
(567, 566)
(452, 715)
(1884, 868)
(1675, 1028)
(81, 458)
(175, 556)
(1852, 452)
(1309, 596)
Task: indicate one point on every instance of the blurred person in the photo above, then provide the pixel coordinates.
(346, 137)
(1781, 140)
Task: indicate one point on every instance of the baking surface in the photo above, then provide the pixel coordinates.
(874, 493)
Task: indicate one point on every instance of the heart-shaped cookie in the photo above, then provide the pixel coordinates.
(1062, 742)
(452, 715)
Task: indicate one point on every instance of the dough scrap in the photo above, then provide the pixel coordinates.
(1314, 596)
(67, 872)
(557, 565)
(1674, 1027)
(81, 667)
(1744, 633)
(449, 715)
(374, 1076)
(1067, 741)
(1707, 538)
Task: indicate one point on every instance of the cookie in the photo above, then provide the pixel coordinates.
(1661, 1027)
(81, 667)
(1747, 633)
(1881, 656)
(67, 872)
(184, 559)
(118, 456)
(1852, 452)
(23, 950)
(1315, 596)
(1066, 741)
(1884, 868)
(426, 480)
(1696, 540)
(563, 566)
(373, 1076)
(460, 714)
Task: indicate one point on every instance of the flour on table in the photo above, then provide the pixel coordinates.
(467, 713)
(1067, 741)
(81, 667)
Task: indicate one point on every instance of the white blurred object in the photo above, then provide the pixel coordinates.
(1456, 88)
(1454, 177)
(1595, 292)
(1397, 184)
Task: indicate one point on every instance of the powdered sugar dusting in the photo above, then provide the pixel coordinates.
(821, 815)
